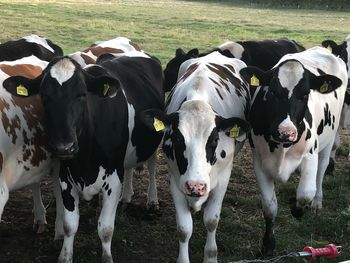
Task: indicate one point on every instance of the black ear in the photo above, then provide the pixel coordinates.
(155, 119)
(332, 47)
(193, 53)
(22, 86)
(226, 53)
(255, 76)
(325, 83)
(179, 52)
(233, 127)
(103, 86)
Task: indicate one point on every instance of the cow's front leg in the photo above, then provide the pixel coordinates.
(128, 190)
(211, 216)
(4, 194)
(59, 229)
(70, 220)
(269, 206)
(183, 220)
(111, 196)
(39, 210)
(152, 197)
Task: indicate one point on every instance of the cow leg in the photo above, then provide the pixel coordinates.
(211, 217)
(128, 190)
(152, 197)
(183, 220)
(4, 194)
(269, 206)
(70, 220)
(39, 209)
(106, 220)
(331, 165)
(323, 158)
(59, 229)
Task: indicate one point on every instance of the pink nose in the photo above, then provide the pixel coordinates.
(289, 134)
(195, 189)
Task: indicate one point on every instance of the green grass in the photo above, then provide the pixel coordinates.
(160, 27)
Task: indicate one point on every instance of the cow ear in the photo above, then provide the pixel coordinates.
(103, 86)
(233, 127)
(325, 83)
(22, 86)
(179, 52)
(155, 119)
(332, 47)
(193, 53)
(255, 76)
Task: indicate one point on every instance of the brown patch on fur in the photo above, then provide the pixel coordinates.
(98, 51)
(10, 125)
(25, 70)
(136, 46)
(88, 60)
(189, 71)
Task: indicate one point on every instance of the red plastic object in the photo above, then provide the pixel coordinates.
(330, 251)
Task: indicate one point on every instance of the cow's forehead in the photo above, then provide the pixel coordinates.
(289, 74)
(39, 40)
(62, 70)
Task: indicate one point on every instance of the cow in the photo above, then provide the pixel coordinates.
(205, 116)
(117, 46)
(343, 51)
(42, 48)
(263, 54)
(94, 128)
(294, 116)
(24, 159)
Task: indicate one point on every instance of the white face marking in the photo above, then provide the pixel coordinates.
(39, 40)
(287, 123)
(63, 70)
(235, 48)
(289, 75)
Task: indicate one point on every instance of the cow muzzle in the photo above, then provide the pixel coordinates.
(64, 151)
(286, 134)
(195, 188)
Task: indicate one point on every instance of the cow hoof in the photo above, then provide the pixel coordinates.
(152, 206)
(295, 210)
(268, 247)
(330, 167)
(39, 228)
(107, 258)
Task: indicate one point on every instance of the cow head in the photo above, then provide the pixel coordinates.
(63, 88)
(172, 68)
(286, 90)
(195, 140)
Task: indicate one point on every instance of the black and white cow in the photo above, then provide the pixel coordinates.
(205, 115)
(42, 48)
(263, 54)
(294, 116)
(343, 51)
(24, 159)
(95, 129)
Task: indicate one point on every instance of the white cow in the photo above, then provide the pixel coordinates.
(205, 116)
(294, 115)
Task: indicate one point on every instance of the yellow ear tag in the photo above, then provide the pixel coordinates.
(105, 89)
(254, 81)
(330, 49)
(21, 90)
(158, 125)
(324, 87)
(234, 132)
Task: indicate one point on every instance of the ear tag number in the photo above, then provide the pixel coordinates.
(254, 81)
(105, 89)
(234, 132)
(330, 49)
(158, 125)
(21, 90)
(324, 87)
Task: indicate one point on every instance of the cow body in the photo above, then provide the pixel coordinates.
(263, 54)
(207, 102)
(98, 135)
(343, 51)
(24, 158)
(294, 115)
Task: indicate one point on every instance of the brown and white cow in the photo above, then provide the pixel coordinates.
(23, 156)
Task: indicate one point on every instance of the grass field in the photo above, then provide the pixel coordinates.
(160, 27)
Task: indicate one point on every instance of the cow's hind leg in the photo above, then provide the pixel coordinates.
(39, 210)
(152, 197)
(4, 195)
(128, 190)
(111, 196)
(212, 215)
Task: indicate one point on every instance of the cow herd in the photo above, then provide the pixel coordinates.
(89, 118)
